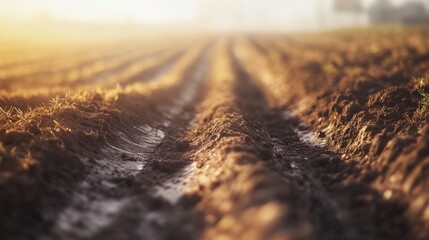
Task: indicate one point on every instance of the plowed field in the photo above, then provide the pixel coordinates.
(313, 136)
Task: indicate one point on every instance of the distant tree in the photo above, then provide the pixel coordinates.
(382, 5)
(383, 11)
(348, 5)
(413, 12)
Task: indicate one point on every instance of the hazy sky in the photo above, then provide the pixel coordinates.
(217, 14)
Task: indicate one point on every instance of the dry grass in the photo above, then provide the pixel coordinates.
(424, 102)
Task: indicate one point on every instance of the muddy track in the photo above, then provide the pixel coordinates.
(198, 143)
(113, 192)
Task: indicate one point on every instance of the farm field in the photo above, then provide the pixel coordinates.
(305, 136)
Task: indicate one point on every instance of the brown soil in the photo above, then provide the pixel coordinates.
(314, 136)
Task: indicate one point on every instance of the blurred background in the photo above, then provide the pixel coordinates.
(81, 16)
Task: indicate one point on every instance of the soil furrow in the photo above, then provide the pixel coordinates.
(116, 69)
(321, 175)
(301, 137)
(358, 194)
(150, 69)
(87, 56)
(234, 187)
(108, 193)
(83, 72)
(140, 69)
(156, 69)
(85, 132)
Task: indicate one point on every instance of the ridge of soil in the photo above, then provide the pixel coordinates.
(313, 136)
(372, 119)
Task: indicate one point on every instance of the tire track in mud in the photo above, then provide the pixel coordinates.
(109, 191)
(159, 186)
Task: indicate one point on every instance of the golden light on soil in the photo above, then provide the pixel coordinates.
(124, 135)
